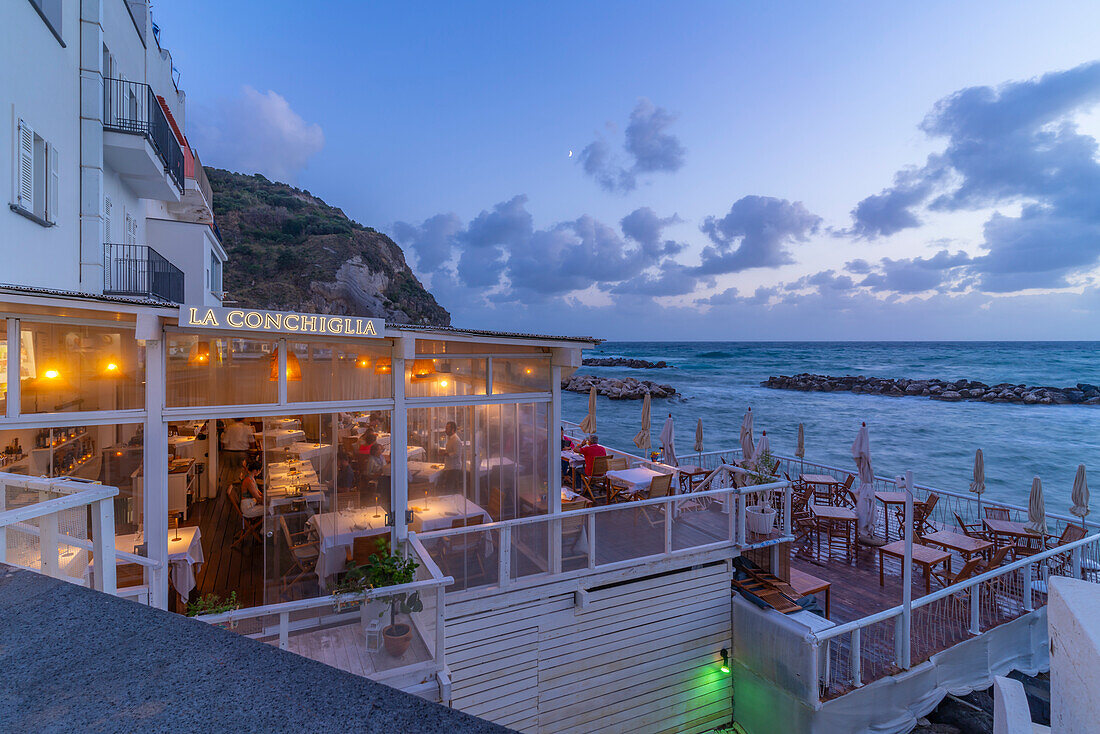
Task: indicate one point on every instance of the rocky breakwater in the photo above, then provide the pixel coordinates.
(618, 389)
(636, 364)
(947, 390)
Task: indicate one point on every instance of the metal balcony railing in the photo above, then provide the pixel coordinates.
(132, 107)
(139, 270)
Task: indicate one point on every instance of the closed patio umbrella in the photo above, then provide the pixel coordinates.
(641, 439)
(1080, 494)
(800, 448)
(762, 448)
(668, 440)
(747, 450)
(978, 485)
(699, 436)
(1036, 509)
(588, 425)
(865, 496)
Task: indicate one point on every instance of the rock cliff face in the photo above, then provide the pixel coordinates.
(949, 391)
(290, 251)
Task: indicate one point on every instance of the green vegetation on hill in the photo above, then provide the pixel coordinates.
(288, 250)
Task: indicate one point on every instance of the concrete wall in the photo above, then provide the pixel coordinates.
(1073, 614)
(188, 245)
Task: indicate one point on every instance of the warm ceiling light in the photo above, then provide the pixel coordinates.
(199, 354)
(423, 368)
(383, 366)
(112, 367)
(52, 374)
(443, 383)
(362, 361)
(293, 367)
(528, 371)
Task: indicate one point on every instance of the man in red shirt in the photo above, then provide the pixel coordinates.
(590, 449)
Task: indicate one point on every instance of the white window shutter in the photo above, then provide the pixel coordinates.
(25, 189)
(51, 184)
(133, 230)
(107, 220)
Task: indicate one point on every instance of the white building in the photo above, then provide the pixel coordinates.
(103, 189)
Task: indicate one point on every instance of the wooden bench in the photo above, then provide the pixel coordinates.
(805, 584)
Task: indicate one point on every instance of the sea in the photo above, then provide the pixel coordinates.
(718, 381)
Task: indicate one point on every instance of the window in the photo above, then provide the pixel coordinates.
(36, 177)
(215, 275)
(50, 11)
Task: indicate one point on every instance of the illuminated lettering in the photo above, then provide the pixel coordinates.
(273, 321)
(309, 323)
(235, 319)
(279, 322)
(253, 320)
(370, 329)
(336, 326)
(208, 318)
(297, 322)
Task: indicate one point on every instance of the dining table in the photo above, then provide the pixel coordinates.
(631, 481)
(1014, 532)
(440, 513)
(337, 531)
(575, 462)
(822, 484)
(423, 471)
(185, 556)
(924, 556)
(415, 453)
(690, 476)
(183, 446)
(888, 500)
(279, 437)
(307, 450)
(964, 545)
(827, 517)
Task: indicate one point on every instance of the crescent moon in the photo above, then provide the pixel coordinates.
(570, 154)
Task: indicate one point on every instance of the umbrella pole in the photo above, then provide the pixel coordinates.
(907, 573)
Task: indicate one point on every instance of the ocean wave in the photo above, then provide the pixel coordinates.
(714, 355)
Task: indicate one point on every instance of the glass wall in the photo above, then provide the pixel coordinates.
(205, 370)
(511, 375)
(338, 371)
(3, 366)
(444, 377)
(67, 368)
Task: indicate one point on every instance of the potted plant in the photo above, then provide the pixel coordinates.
(353, 582)
(214, 604)
(760, 518)
(385, 569)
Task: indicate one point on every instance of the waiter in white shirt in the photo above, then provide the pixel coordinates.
(451, 478)
(236, 441)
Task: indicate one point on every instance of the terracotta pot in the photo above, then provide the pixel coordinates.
(397, 638)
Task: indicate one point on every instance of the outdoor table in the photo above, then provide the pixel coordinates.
(1014, 531)
(422, 471)
(576, 461)
(690, 475)
(415, 453)
(336, 532)
(830, 515)
(829, 483)
(183, 445)
(290, 423)
(278, 437)
(888, 499)
(439, 513)
(279, 469)
(632, 481)
(964, 545)
(923, 556)
(805, 584)
(184, 555)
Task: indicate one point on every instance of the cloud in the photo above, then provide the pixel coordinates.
(644, 227)
(671, 279)
(648, 147)
(432, 240)
(1016, 144)
(756, 233)
(258, 132)
(915, 275)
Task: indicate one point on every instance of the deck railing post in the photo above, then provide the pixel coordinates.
(856, 659)
(591, 529)
(787, 510)
(505, 557)
(975, 609)
(440, 627)
(901, 640)
(668, 526)
(815, 671)
(284, 629)
(47, 545)
(103, 545)
(1026, 591)
(741, 504)
(1075, 562)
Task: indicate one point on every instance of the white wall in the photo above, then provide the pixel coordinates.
(1073, 616)
(39, 82)
(188, 246)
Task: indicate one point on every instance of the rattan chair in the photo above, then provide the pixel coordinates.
(250, 524)
(302, 550)
(659, 486)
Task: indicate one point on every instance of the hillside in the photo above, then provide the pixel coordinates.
(288, 251)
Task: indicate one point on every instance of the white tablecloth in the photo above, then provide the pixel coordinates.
(633, 480)
(439, 513)
(572, 457)
(184, 446)
(184, 556)
(416, 453)
(281, 469)
(289, 423)
(337, 531)
(496, 462)
(422, 471)
(308, 450)
(275, 437)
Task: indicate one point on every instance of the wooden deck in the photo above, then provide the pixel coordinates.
(344, 647)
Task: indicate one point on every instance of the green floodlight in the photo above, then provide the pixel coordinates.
(725, 667)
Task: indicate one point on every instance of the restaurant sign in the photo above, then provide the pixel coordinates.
(280, 322)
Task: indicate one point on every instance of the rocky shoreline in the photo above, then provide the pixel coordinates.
(946, 390)
(618, 389)
(636, 364)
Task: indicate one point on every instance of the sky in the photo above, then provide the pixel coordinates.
(685, 171)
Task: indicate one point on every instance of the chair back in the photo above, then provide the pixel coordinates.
(366, 547)
(234, 495)
(618, 463)
(660, 486)
(459, 523)
(961, 524)
(284, 530)
(969, 569)
(600, 466)
(1071, 533)
(998, 557)
(848, 482)
(996, 513)
(930, 503)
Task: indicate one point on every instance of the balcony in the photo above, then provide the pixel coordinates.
(196, 202)
(139, 270)
(138, 141)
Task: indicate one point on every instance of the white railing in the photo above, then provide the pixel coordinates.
(607, 537)
(43, 527)
(278, 622)
(875, 646)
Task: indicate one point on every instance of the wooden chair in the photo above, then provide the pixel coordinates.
(922, 516)
(598, 481)
(366, 547)
(1061, 563)
(461, 549)
(996, 560)
(250, 525)
(842, 496)
(803, 524)
(617, 463)
(660, 486)
(974, 530)
(996, 513)
(969, 569)
(302, 550)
